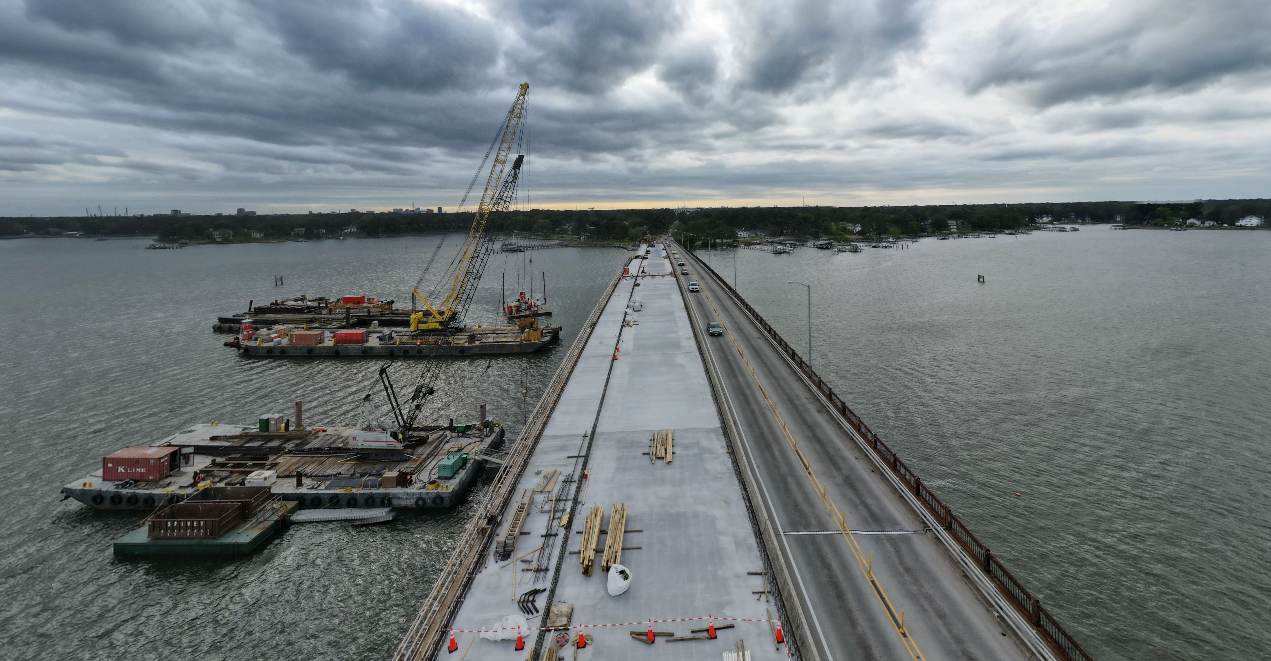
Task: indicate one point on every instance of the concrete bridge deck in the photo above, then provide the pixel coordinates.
(695, 548)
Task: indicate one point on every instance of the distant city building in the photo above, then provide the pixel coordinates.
(1250, 221)
(176, 212)
(242, 211)
(438, 209)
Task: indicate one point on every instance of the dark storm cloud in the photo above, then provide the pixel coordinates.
(1157, 46)
(395, 44)
(784, 44)
(589, 46)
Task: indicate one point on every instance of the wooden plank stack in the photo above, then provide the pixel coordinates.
(591, 537)
(613, 541)
(662, 446)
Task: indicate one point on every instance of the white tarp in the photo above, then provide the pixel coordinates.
(507, 628)
(619, 580)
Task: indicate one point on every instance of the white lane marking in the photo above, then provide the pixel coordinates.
(768, 499)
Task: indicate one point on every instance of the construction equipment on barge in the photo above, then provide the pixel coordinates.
(299, 328)
(285, 341)
(319, 312)
(425, 468)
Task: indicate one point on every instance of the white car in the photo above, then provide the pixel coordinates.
(693, 286)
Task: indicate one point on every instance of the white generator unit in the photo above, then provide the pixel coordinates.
(372, 439)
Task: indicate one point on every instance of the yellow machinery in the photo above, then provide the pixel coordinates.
(471, 261)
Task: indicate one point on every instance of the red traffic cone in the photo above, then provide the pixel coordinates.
(454, 645)
(651, 639)
(520, 642)
(582, 640)
(781, 637)
(710, 630)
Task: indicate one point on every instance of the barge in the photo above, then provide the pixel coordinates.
(288, 341)
(321, 311)
(432, 468)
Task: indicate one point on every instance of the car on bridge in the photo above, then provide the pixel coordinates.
(693, 286)
(714, 328)
(683, 271)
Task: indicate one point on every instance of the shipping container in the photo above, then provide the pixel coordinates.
(354, 300)
(144, 464)
(195, 520)
(307, 338)
(350, 337)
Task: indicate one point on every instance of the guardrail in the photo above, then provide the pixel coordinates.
(1024, 601)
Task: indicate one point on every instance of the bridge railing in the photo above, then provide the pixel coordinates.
(1024, 601)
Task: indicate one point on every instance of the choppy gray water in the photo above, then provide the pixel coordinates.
(1117, 380)
(107, 344)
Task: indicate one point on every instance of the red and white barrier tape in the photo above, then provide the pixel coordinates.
(621, 624)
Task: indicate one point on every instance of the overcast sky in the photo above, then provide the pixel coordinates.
(292, 105)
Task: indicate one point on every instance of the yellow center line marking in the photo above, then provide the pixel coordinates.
(864, 562)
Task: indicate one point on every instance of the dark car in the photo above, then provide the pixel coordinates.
(714, 328)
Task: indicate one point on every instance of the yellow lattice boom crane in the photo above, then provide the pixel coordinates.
(472, 259)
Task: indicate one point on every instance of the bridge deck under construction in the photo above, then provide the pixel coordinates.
(688, 541)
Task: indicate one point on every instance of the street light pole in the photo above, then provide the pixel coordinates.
(796, 282)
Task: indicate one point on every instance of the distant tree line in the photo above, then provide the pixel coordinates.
(631, 224)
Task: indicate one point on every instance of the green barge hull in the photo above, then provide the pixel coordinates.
(241, 540)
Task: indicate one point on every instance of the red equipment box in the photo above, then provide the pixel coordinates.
(144, 464)
(350, 337)
(354, 300)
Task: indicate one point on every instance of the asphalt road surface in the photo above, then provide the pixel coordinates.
(944, 614)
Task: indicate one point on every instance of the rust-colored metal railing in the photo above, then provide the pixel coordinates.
(1024, 601)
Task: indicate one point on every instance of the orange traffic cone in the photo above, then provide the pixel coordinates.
(520, 642)
(781, 637)
(710, 630)
(582, 640)
(454, 645)
(651, 631)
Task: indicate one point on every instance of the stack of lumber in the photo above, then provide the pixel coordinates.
(662, 446)
(613, 541)
(591, 536)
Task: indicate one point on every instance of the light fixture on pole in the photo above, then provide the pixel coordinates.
(796, 282)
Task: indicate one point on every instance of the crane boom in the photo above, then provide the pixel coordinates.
(474, 255)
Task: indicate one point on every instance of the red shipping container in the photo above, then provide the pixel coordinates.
(350, 337)
(144, 464)
(354, 300)
(309, 338)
